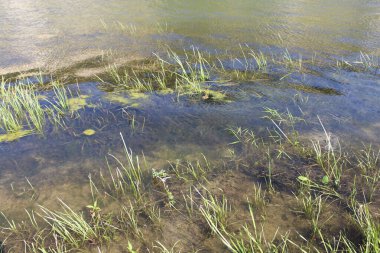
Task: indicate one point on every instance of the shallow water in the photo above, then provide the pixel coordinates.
(162, 126)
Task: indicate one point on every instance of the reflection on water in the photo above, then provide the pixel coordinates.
(32, 32)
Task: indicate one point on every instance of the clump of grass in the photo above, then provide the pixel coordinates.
(60, 231)
(292, 63)
(189, 71)
(129, 217)
(129, 80)
(127, 177)
(20, 106)
(196, 171)
(368, 163)
(329, 159)
(365, 62)
(163, 249)
(162, 177)
(311, 208)
(369, 228)
(243, 135)
(258, 200)
(250, 239)
(369, 62)
(214, 209)
(71, 226)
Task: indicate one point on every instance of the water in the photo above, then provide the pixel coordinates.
(34, 33)
(164, 127)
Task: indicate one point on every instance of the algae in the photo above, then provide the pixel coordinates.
(13, 136)
(77, 103)
(131, 100)
(214, 96)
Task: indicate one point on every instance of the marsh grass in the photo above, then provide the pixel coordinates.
(368, 226)
(58, 231)
(250, 239)
(329, 158)
(243, 136)
(364, 63)
(368, 163)
(73, 228)
(196, 171)
(258, 200)
(215, 209)
(20, 106)
(162, 177)
(126, 177)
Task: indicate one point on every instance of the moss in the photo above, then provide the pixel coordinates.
(89, 132)
(77, 103)
(214, 96)
(9, 137)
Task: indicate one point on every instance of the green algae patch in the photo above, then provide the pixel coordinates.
(214, 96)
(77, 103)
(9, 137)
(132, 98)
(137, 95)
(116, 98)
(89, 132)
(165, 91)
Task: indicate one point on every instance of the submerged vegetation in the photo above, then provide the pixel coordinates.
(275, 176)
(275, 191)
(23, 111)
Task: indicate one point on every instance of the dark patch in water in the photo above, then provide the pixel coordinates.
(315, 89)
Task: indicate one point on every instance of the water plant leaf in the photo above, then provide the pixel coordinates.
(325, 179)
(303, 179)
(89, 132)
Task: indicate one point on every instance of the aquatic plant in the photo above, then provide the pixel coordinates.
(20, 106)
(216, 210)
(162, 177)
(196, 170)
(126, 178)
(368, 163)
(329, 158)
(258, 199)
(251, 239)
(71, 227)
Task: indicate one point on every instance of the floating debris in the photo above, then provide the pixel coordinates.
(89, 132)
